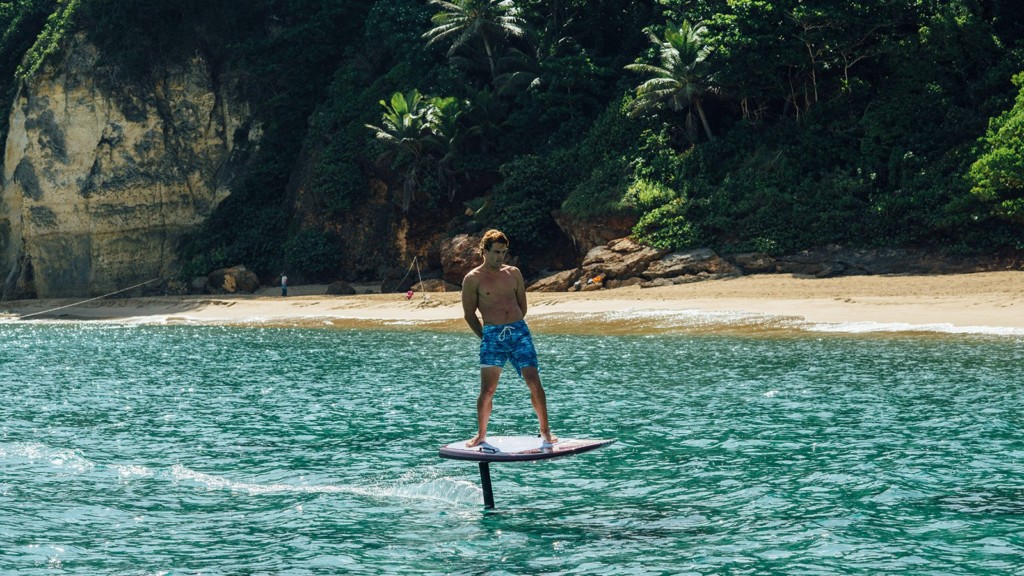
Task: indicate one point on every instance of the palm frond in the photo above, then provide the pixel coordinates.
(679, 80)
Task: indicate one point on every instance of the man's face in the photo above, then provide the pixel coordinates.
(496, 255)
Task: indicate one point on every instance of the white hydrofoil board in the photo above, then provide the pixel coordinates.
(518, 448)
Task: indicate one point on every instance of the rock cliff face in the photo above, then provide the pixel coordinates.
(103, 177)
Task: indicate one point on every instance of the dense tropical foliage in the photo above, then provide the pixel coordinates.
(738, 124)
(998, 174)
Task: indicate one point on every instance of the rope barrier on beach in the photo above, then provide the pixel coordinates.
(416, 263)
(89, 300)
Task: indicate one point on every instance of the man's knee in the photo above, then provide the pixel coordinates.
(489, 380)
(532, 377)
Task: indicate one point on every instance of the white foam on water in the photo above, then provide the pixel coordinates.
(437, 489)
(414, 322)
(691, 319)
(687, 316)
(447, 490)
(63, 458)
(665, 320)
(128, 471)
(68, 459)
(634, 319)
(433, 486)
(882, 327)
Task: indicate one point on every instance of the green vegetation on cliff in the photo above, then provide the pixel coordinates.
(23, 23)
(743, 125)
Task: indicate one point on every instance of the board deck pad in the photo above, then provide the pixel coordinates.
(519, 448)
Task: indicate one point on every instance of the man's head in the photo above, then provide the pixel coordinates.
(494, 247)
(492, 237)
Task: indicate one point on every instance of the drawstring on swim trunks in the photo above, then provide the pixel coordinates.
(505, 332)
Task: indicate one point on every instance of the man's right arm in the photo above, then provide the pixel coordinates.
(470, 300)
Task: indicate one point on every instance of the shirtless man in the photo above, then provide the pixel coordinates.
(498, 292)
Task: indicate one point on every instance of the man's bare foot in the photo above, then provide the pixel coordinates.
(476, 441)
(549, 437)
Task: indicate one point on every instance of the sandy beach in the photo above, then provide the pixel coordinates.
(961, 302)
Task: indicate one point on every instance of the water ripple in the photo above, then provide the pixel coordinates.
(216, 450)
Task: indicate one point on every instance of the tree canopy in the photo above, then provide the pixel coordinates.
(744, 125)
(998, 173)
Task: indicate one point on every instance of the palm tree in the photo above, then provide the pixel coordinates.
(446, 141)
(422, 132)
(680, 79)
(460, 21)
(406, 132)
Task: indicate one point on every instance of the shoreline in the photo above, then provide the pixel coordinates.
(985, 302)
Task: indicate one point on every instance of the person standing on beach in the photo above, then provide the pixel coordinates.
(284, 284)
(498, 292)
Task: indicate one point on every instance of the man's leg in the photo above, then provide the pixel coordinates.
(539, 401)
(489, 376)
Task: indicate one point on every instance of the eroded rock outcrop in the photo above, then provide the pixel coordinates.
(620, 258)
(624, 262)
(459, 255)
(589, 233)
(103, 177)
(689, 263)
(556, 282)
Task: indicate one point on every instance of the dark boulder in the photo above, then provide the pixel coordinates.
(435, 285)
(340, 288)
(234, 280)
(753, 262)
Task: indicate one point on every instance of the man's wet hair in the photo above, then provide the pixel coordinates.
(493, 237)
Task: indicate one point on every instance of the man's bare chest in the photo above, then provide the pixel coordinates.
(497, 287)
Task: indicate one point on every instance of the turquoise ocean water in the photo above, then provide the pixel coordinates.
(224, 450)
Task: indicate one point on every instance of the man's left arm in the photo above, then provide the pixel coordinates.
(470, 301)
(520, 290)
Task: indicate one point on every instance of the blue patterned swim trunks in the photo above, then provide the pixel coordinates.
(508, 342)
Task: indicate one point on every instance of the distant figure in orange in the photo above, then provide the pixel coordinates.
(498, 292)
